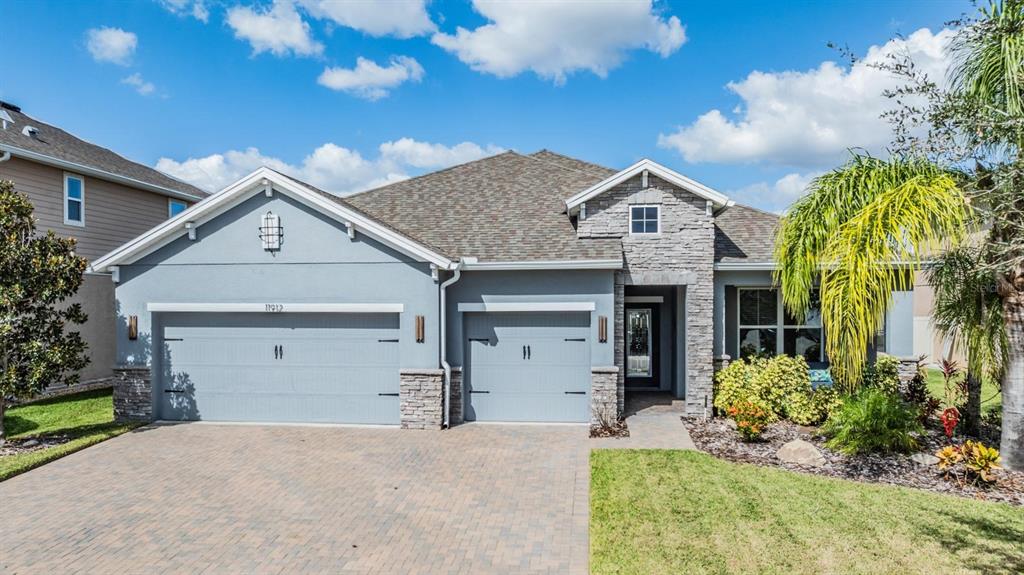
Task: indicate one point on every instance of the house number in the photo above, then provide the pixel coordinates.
(275, 307)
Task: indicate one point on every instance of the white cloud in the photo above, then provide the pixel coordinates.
(331, 167)
(808, 118)
(555, 38)
(370, 80)
(194, 8)
(279, 30)
(139, 83)
(399, 18)
(775, 197)
(111, 45)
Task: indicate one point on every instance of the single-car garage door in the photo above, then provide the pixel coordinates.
(287, 367)
(527, 366)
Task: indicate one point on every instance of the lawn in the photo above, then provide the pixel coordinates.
(86, 418)
(991, 398)
(660, 511)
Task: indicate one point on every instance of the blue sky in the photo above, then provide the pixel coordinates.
(743, 96)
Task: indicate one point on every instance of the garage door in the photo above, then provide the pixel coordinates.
(326, 368)
(528, 366)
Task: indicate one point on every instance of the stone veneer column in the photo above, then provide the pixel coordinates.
(604, 394)
(455, 413)
(133, 393)
(620, 341)
(419, 393)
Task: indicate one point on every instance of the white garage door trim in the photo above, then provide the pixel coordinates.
(528, 306)
(278, 307)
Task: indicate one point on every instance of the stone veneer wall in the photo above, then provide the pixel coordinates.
(604, 394)
(420, 393)
(682, 254)
(455, 413)
(133, 393)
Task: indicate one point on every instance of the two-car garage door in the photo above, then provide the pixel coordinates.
(287, 367)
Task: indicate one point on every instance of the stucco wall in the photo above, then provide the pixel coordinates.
(317, 263)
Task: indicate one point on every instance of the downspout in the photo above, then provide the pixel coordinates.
(5, 156)
(446, 400)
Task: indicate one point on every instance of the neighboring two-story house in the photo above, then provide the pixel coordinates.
(87, 192)
(513, 288)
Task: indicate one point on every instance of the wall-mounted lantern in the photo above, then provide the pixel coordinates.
(271, 232)
(602, 329)
(421, 331)
(133, 327)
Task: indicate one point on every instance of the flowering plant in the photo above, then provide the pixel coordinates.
(751, 419)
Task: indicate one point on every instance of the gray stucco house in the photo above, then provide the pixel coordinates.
(513, 288)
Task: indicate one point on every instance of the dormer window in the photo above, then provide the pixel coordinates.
(644, 220)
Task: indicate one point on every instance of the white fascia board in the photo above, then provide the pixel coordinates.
(97, 173)
(655, 168)
(220, 202)
(612, 264)
(276, 307)
(741, 266)
(528, 306)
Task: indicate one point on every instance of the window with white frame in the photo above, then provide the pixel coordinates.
(74, 200)
(175, 207)
(644, 220)
(767, 328)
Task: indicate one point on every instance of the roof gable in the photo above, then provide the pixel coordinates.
(261, 181)
(572, 204)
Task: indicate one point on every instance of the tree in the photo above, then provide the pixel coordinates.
(968, 309)
(847, 233)
(37, 274)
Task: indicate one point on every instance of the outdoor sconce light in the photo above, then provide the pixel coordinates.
(133, 327)
(602, 329)
(271, 232)
(420, 329)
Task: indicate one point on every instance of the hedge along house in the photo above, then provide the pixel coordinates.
(514, 288)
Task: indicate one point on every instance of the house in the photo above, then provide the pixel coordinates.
(513, 288)
(87, 192)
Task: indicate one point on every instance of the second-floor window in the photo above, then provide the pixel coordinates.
(74, 200)
(175, 207)
(644, 219)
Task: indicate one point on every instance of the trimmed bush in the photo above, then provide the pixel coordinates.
(873, 421)
(883, 374)
(813, 407)
(769, 382)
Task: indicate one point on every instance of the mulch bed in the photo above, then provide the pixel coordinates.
(19, 446)
(718, 437)
(618, 429)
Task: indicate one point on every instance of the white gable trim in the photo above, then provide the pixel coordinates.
(254, 183)
(640, 168)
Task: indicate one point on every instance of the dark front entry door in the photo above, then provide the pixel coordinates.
(642, 345)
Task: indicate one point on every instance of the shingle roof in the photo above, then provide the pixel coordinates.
(745, 234)
(56, 143)
(508, 207)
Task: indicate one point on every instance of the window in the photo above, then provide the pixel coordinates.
(175, 207)
(74, 200)
(759, 322)
(763, 319)
(644, 219)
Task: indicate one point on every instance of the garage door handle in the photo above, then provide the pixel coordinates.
(387, 341)
(575, 393)
(575, 339)
(478, 391)
(389, 394)
(529, 352)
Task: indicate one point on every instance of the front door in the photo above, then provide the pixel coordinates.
(642, 346)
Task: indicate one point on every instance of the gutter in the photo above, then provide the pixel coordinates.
(96, 173)
(446, 400)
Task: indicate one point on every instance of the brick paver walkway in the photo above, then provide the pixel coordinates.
(264, 499)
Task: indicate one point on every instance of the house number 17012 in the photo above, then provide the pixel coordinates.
(275, 307)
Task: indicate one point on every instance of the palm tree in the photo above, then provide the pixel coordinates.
(988, 69)
(968, 309)
(861, 232)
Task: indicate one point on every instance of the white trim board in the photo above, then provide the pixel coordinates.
(652, 167)
(258, 182)
(277, 307)
(528, 306)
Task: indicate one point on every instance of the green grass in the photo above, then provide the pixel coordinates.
(991, 398)
(668, 512)
(88, 418)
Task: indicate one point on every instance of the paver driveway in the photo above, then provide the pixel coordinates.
(261, 499)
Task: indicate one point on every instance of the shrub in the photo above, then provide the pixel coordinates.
(768, 382)
(969, 463)
(813, 407)
(884, 374)
(751, 419)
(873, 421)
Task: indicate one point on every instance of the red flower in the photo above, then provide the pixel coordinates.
(950, 417)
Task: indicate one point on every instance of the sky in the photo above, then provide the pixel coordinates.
(745, 97)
